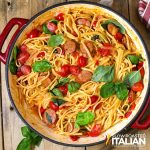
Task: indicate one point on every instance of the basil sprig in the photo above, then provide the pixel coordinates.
(58, 101)
(135, 58)
(73, 86)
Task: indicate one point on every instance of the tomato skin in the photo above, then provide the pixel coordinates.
(138, 87)
(19, 73)
(104, 52)
(94, 98)
(74, 70)
(119, 36)
(132, 107)
(53, 106)
(65, 70)
(42, 110)
(74, 137)
(131, 96)
(96, 130)
(63, 89)
(107, 45)
(82, 61)
(60, 17)
(52, 27)
(74, 33)
(25, 69)
(94, 23)
(34, 33)
(128, 114)
(41, 54)
(23, 48)
(141, 68)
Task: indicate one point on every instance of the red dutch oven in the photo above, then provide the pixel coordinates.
(31, 119)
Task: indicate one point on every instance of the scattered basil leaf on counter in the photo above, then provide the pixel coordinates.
(121, 90)
(58, 101)
(48, 117)
(45, 29)
(107, 90)
(55, 40)
(115, 22)
(41, 66)
(132, 78)
(15, 53)
(84, 118)
(62, 82)
(134, 59)
(12, 66)
(57, 92)
(103, 74)
(73, 86)
(31, 139)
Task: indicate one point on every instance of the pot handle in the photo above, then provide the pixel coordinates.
(14, 21)
(145, 124)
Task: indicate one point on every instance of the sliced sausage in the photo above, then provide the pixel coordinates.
(112, 29)
(25, 69)
(46, 82)
(69, 46)
(49, 117)
(83, 21)
(23, 57)
(84, 76)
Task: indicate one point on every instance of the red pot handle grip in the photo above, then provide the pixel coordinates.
(145, 124)
(15, 21)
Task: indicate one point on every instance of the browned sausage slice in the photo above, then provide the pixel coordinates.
(84, 76)
(69, 46)
(83, 21)
(112, 29)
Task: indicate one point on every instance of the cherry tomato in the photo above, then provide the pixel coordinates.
(97, 107)
(94, 98)
(132, 107)
(94, 23)
(74, 70)
(82, 61)
(119, 36)
(23, 57)
(65, 70)
(60, 17)
(42, 110)
(53, 106)
(23, 48)
(25, 69)
(52, 27)
(75, 54)
(134, 69)
(96, 130)
(63, 89)
(41, 54)
(19, 73)
(128, 114)
(138, 87)
(141, 68)
(34, 33)
(107, 45)
(104, 52)
(131, 96)
(74, 137)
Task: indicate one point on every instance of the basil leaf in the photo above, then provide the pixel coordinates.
(15, 52)
(55, 40)
(45, 29)
(48, 117)
(62, 82)
(121, 90)
(36, 141)
(134, 59)
(54, 21)
(131, 78)
(41, 66)
(115, 22)
(107, 90)
(25, 144)
(58, 101)
(57, 92)
(25, 131)
(103, 74)
(84, 118)
(12, 66)
(73, 86)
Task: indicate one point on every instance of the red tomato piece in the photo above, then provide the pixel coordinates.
(128, 114)
(42, 110)
(75, 54)
(96, 130)
(82, 61)
(119, 36)
(138, 87)
(19, 73)
(141, 68)
(65, 70)
(94, 23)
(52, 27)
(131, 96)
(63, 89)
(34, 33)
(140, 64)
(23, 48)
(94, 98)
(132, 107)
(53, 106)
(97, 107)
(23, 57)
(74, 137)
(74, 33)
(104, 52)
(97, 63)
(60, 17)
(107, 45)
(74, 70)
(25, 69)
(41, 54)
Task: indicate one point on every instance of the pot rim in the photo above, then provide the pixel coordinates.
(40, 13)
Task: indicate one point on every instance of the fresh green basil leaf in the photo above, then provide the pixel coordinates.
(54, 21)
(48, 117)
(62, 82)
(121, 90)
(134, 59)
(73, 86)
(45, 29)
(107, 90)
(12, 66)
(84, 118)
(55, 40)
(115, 22)
(15, 53)
(58, 101)
(41, 66)
(57, 92)
(103, 74)
(36, 141)
(25, 144)
(131, 78)
(25, 131)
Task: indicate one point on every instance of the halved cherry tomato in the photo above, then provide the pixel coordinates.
(22, 57)
(141, 68)
(104, 52)
(97, 107)
(75, 70)
(25, 69)
(96, 130)
(74, 137)
(63, 89)
(131, 96)
(53, 106)
(82, 61)
(19, 73)
(65, 70)
(52, 27)
(119, 36)
(128, 114)
(134, 69)
(94, 98)
(60, 17)
(94, 23)
(42, 110)
(34, 33)
(23, 48)
(132, 106)
(138, 87)
(41, 54)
